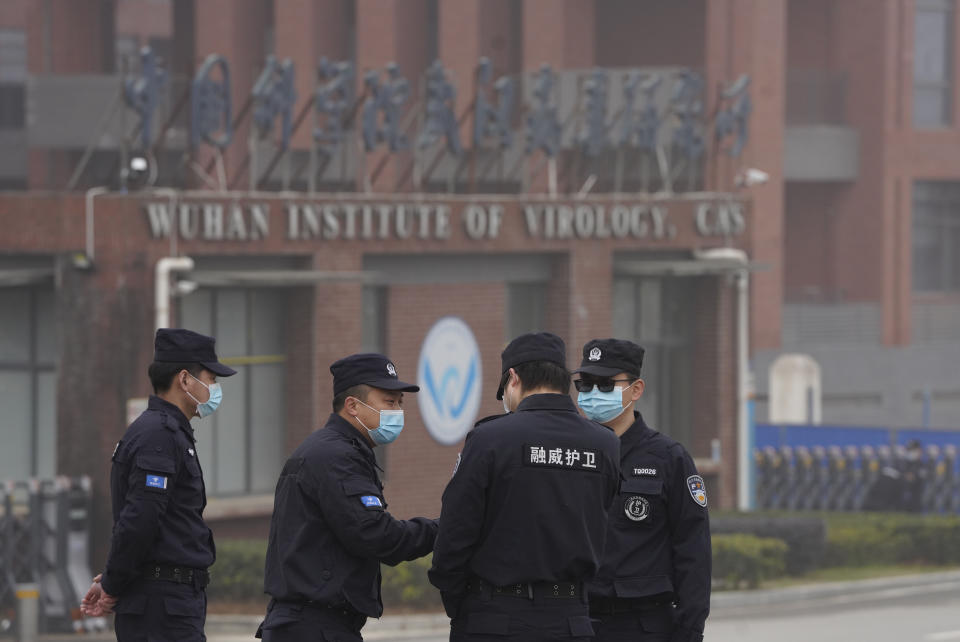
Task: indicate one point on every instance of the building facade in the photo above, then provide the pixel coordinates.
(311, 242)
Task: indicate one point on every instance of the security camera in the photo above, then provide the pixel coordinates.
(140, 172)
(750, 177)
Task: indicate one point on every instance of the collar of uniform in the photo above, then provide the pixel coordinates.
(340, 425)
(637, 430)
(547, 401)
(174, 413)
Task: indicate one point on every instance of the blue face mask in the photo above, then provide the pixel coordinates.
(209, 406)
(602, 406)
(391, 424)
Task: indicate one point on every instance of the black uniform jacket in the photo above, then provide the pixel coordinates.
(158, 498)
(659, 540)
(528, 501)
(330, 528)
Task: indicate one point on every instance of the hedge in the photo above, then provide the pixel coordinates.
(237, 576)
(805, 535)
(743, 561)
(747, 549)
(870, 539)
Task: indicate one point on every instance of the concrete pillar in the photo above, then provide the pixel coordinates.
(235, 30)
(392, 31)
(590, 298)
(470, 30)
(306, 31)
(749, 36)
(560, 32)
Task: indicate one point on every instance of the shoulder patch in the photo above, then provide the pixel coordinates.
(371, 501)
(698, 490)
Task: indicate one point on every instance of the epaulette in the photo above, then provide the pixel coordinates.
(490, 418)
(170, 423)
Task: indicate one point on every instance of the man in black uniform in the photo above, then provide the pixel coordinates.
(525, 515)
(161, 548)
(330, 529)
(654, 583)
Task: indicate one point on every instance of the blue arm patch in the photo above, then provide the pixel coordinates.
(371, 500)
(156, 481)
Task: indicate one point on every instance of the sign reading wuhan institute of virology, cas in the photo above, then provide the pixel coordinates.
(347, 221)
(449, 375)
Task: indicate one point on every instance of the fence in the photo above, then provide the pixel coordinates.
(856, 469)
(45, 540)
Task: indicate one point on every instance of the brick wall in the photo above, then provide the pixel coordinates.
(105, 321)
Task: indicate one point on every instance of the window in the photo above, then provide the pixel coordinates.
(28, 385)
(526, 308)
(13, 78)
(374, 332)
(936, 236)
(932, 69)
(655, 313)
(241, 446)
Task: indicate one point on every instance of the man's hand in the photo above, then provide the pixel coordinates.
(97, 602)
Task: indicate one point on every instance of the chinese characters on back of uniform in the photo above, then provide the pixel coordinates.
(527, 505)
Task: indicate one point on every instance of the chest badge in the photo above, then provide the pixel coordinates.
(637, 508)
(698, 490)
(190, 452)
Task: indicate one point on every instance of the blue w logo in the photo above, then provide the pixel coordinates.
(451, 377)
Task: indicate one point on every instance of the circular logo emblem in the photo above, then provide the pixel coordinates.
(637, 508)
(594, 354)
(449, 376)
(391, 370)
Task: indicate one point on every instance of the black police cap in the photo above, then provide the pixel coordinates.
(535, 346)
(609, 357)
(368, 368)
(176, 345)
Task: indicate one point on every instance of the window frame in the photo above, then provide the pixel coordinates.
(35, 367)
(944, 86)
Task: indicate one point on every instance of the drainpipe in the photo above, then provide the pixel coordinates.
(161, 292)
(92, 193)
(745, 436)
(737, 260)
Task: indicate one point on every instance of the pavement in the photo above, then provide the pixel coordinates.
(725, 605)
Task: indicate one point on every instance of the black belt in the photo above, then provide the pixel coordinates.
(526, 590)
(342, 612)
(614, 605)
(180, 574)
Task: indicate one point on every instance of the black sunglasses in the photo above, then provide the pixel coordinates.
(604, 385)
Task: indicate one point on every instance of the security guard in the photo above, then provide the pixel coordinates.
(161, 548)
(525, 515)
(655, 580)
(330, 528)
